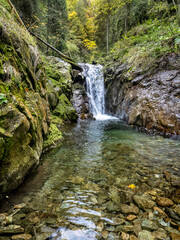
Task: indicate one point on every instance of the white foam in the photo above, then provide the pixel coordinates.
(103, 117)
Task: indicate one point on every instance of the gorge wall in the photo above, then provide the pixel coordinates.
(146, 98)
(35, 99)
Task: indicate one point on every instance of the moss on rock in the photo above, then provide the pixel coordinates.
(65, 110)
(54, 136)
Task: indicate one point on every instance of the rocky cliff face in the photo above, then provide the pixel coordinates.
(149, 98)
(31, 96)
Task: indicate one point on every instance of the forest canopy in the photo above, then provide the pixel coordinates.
(87, 29)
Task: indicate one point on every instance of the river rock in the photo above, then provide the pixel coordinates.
(164, 202)
(105, 234)
(177, 210)
(175, 236)
(131, 217)
(145, 235)
(2, 217)
(11, 229)
(124, 236)
(128, 228)
(149, 225)
(132, 237)
(160, 234)
(129, 209)
(144, 202)
(22, 237)
(171, 214)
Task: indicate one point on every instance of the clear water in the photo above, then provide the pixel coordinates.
(81, 185)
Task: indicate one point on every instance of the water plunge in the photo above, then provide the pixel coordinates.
(95, 90)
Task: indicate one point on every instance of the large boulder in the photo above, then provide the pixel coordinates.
(149, 98)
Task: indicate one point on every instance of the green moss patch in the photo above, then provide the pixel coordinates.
(53, 137)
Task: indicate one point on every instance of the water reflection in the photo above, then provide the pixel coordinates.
(84, 183)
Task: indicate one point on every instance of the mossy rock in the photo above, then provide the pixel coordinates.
(65, 110)
(54, 136)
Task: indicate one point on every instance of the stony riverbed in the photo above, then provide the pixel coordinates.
(107, 181)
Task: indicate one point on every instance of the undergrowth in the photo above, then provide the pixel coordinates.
(146, 42)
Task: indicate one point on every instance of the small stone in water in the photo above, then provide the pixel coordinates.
(150, 216)
(105, 234)
(124, 236)
(2, 217)
(128, 228)
(164, 202)
(144, 202)
(18, 206)
(131, 217)
(100, 226)
(149, 225)
(175, 236)
(128, 209)
(159, 212)
(22, 237)
(132, 237)
(145, 235)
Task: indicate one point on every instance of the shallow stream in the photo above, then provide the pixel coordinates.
(78, 191)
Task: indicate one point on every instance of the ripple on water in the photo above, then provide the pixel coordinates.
(102, 164)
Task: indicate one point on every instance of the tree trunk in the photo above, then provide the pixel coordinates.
(125, 20)
(107, 34)
(48, 22)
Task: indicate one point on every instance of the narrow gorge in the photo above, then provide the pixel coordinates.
(86, 155)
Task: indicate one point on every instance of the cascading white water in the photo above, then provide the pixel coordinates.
(95, 90)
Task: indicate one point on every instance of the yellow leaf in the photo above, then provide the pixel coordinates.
(132, 186)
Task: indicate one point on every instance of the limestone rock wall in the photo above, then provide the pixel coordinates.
(149, 98)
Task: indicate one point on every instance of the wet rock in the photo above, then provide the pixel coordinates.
(177, 210)
(2, 217)
(19, 206)
(176, 196)
(150, 216)
(175, 181)
(131, 217)
(105, 234)
(128, 228)
(145, 235)
(4, 238)
(164, 202)
(118, 221)
(172, 230)
(159, 212)
(144, 202)
(110, 228)
(22, 237)
(11, 229)
(132, 237)
(92, 186)
(137, 226)
(124, 236)
(175, 236)
(144, 101)
(129, 209)
(77, 180)
(160, 234)
(149, 225)
(171, 214)
(100, 226)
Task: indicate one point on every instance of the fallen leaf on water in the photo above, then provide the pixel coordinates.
(132, 186)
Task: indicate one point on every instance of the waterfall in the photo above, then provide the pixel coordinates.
(95, 90)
